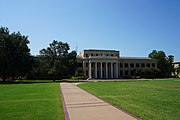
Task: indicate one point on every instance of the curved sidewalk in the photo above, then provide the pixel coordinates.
(81, 105)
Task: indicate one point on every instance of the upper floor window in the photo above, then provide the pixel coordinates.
(131, 65)
(96, 54)
(142, 65)
(148, 65)
(137, 65)
(111, 54)
(91, 54)
(86, 55)
(153, 65)
(107, 54)
(126, 65)
(121, 65)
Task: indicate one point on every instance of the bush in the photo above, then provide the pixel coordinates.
(148, 73)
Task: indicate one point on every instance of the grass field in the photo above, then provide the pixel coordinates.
(35, 101)
(149, 100)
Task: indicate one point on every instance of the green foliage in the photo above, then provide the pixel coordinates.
(15, 57)
(148, 73)
(54, 62)
(38, 101)
(149, 100)
(164, 63)
(78, 75)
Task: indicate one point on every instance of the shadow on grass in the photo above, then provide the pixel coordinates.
(29, 81)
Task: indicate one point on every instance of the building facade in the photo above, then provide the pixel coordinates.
(176, 66)
(107, 64)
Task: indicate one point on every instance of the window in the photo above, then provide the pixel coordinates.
(107, 54)
(121, 72)
(126, 72)
(153, 65)
(111, 54)
(132, 72)
(79, 64)
(148, 65)
(91, 54)
(126, 65)
(121, 65)
(96, 54)
(86, 55)
(92, 65)
(132, 65)
(86, 72)
(137, 65)
(86, 64)
(142, 65)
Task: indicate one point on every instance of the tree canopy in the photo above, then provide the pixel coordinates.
(164, 63)
(14, 54)
(55, 61)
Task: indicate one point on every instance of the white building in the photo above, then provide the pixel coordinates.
(100, 64)
(176, 66)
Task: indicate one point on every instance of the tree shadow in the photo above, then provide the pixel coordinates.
(30, 81)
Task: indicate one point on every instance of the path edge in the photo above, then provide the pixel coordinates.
(130, 114)
(66, 114)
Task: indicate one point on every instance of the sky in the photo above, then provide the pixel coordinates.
(134, 27)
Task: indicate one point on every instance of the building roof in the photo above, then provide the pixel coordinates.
(136, 58)
(176, 62)
(100, 50)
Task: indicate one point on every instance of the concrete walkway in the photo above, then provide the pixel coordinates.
(81, 105)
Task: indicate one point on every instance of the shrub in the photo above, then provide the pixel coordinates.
(148, 73)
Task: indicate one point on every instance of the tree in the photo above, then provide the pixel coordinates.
(164, 63)
(56, 62)
(15, 57)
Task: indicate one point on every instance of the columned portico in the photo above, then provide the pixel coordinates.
(102, 69)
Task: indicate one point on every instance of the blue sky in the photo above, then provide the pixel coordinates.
(134, 27)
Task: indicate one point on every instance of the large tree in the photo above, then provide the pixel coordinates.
(14, 54)
(56, 62)
(164, 63)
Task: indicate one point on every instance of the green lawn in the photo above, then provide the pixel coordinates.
(35, 101)
(154, 99)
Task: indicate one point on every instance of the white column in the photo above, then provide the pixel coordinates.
(117, 70)
(111, 70)
(95, 69)
(90, 75)
(106, 70)
(101, 70)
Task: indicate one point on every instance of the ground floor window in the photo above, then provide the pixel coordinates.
(121, 72)
(126, 72)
